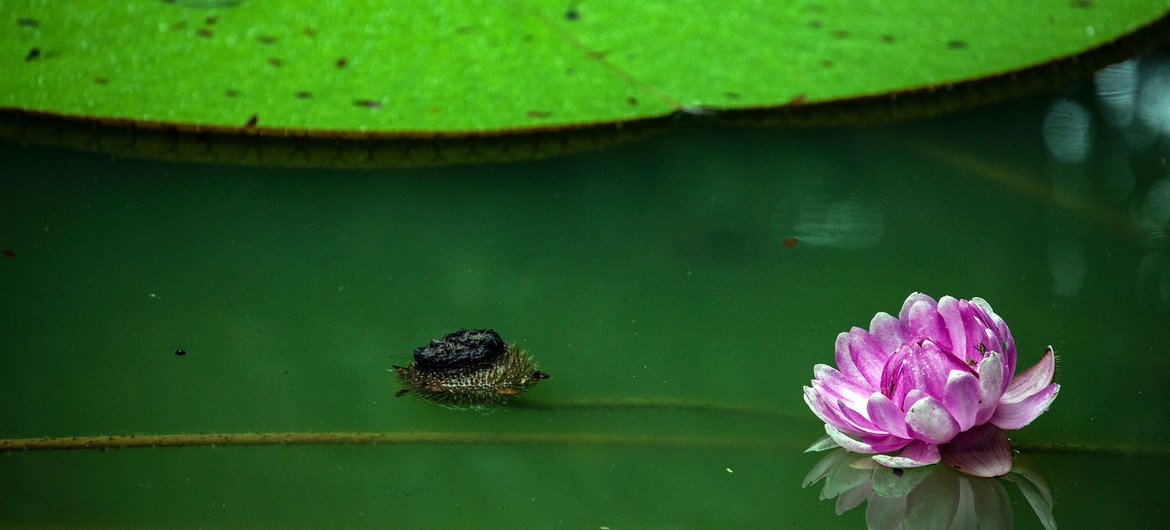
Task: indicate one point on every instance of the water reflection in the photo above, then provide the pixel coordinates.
(1105, 142)
(1066, 131)
(927, 497)
(852, 223)
(1117, 91)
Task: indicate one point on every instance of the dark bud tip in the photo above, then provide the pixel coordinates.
(459, 350)
(538, 375)
(402, 392)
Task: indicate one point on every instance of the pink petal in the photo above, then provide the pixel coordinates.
(829, 412)
(1030, 381)
(923, 367)
(916, 454)
(1019, 414)
(859, 421)
(888, 331)
(925, 322)
(951, 312)
(886, 415)
(835, 386)
(882, 444)
(1001, 339)
(914, 298)
(913, 396)
(929, 421)
(844, 360)
(983, 452)
(991, 378)
(867, 355)
(961, 398)
(825, 410)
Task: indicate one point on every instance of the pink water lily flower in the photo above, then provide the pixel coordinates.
(935, 383)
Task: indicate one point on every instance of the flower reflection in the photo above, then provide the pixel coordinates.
(926, 497)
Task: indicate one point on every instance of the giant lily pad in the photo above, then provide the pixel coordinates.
(353, 82)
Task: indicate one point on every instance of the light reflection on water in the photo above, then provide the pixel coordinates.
(850, 223)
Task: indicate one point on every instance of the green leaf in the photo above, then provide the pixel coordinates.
(453, 72)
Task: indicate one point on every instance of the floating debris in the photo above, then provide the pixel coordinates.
(469, 368)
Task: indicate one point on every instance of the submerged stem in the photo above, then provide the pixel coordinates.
(473, 438)
(514, 438)
(373, 438)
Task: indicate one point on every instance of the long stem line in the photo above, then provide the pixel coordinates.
(375, 438)
(477, 438)
(514, 438)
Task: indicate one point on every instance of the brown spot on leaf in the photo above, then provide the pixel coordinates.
(251, 121)
(275, 61)
(790, 242)
(266, 39)
(231, 93)
(179, 26)
(204, 32)
(815, 24)
(600, 56)
(302, 94)
(538, 114)
(26, 22)
(1082, 4)
(309, 31)
(840, 34)
(8, 253)
(368, 103)
(825, 63)
(956, 44)
(341, 62)
(33, 54)
(797, 99)
(888, 39)
(101, 80)
(210, 21)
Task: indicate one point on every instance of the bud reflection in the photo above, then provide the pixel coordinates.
(927, 497)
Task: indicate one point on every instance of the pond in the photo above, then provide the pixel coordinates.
(678, 291)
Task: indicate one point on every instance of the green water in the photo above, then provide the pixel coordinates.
(651, 281)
